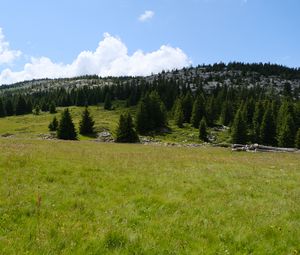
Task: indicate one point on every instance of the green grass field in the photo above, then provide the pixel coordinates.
(84, 197)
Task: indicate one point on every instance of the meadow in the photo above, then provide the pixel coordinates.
(85, 197)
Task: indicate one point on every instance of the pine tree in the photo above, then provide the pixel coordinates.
(66, 129)
(53, 124)
(187, 107)
(9, 108)
(151, 113)
(197, 112)
(286, 136)
(2, 109)
(125, 132)
(256, 122)
(239, 129)
(107, 102)
(21, 106)
(203, 130)
(52, 108)
(86, 125)
(37, 110)
(297, 140)
(227, 113)
(178, 113)
(268, 128)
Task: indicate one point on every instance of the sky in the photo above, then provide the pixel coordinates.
(65, 38)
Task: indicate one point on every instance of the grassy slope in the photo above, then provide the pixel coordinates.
(134, 199)
(33, 126)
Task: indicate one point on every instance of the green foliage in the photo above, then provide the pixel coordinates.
(66, 129)
(37, 110)
(107, 102)
(21, 106)
(257, 120)
(53, 124)
(151, 113)
(187, 107)
(227, 113)
(203, 130)
(297, 140)
(178, 113)
(2, 109)
(86, 125)
(286, 136)
(125, 132)
(198, 111)
(52, 108)
(239, 129)
(268, 128)
(9, 108)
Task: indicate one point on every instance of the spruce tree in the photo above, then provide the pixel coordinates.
(297, 140)
(125, 132)
(142, 116)
(256, 122)
(239, 129)
(227, 113)
(66, 129)
(197, 112)
(86, 125)
(268, 128)
(203, 130)
(2, 109)
(107, 102)
(9, 108)
(178, 113)
(286, 136)
(187, 107)
(21, 106)
(52, 108)
(53, 124)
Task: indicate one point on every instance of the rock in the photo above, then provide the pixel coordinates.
(105, 137)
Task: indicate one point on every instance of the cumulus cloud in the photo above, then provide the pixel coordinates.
(7, 56)
(110, 58)
(146, 16)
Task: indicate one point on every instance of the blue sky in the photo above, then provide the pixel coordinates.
(205, 31)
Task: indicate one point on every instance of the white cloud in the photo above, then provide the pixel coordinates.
(7, 56)
(109, 59)
(146, 16)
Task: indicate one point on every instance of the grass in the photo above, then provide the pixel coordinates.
(61, 197)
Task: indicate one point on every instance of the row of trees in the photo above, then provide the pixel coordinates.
(65, 128)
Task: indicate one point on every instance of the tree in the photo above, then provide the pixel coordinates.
(125, 132)
(239, 129)
(187, 107)
(297, 141)
(37, 110)
(151, 113)
(203, 130)
(53, 124)
(86, 125)
(9, 108)
(21, 106)
(256, 122)
(2, 109)
(66, 129)
(227, 113)
(286, 136)
(52, 108)
(197, 112)
(178, 113)
(268, 128)
(107, 102)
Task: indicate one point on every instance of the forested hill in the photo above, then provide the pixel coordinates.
(259, 102)
(269, 76)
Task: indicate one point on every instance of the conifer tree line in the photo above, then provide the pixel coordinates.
(254, 114)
